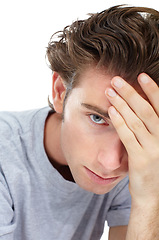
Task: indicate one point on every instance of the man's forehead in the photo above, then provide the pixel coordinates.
(98, 79)
(93, 83)
(94, 73)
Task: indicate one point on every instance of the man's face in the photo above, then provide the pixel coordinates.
(90, 144)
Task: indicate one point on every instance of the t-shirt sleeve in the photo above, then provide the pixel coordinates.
(7, 224)
(119, 211)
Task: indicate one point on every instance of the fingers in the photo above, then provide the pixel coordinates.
(127, 101)
(127, 137)
(129, 120)
(151, 90)
(135, 116)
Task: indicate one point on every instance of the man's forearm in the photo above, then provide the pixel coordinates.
(144, 222)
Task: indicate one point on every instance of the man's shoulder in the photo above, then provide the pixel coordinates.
(14, 123)
(18, 130)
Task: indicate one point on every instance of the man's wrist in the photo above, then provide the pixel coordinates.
(144, 220)
(145, 203)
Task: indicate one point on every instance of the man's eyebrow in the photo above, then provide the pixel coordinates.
(96, 109)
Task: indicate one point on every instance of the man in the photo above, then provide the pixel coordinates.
(64, 172)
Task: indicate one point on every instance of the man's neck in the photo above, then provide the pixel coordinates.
(53, 147)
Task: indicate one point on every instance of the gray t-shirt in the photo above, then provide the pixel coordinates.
(36, 202)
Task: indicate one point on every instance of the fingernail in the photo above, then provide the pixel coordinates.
(111, 92)
(117, 82)
(144, 78)
(112, 111)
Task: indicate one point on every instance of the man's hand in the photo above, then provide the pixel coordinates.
(135, 116)
(137, 124)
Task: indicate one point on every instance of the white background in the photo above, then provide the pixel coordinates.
(25, 29)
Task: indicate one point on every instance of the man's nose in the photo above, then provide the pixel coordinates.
(110, 156)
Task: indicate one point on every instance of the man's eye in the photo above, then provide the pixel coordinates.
(97, 119)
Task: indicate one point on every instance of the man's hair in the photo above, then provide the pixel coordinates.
(123, 40)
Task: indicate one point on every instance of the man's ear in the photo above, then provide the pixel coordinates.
(58, 92)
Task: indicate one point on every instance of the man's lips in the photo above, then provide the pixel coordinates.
(95, 177)
(100, 176)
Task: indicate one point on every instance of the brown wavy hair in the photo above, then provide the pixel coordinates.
(124, 40)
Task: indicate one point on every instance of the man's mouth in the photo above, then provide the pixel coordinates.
(100, 180)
